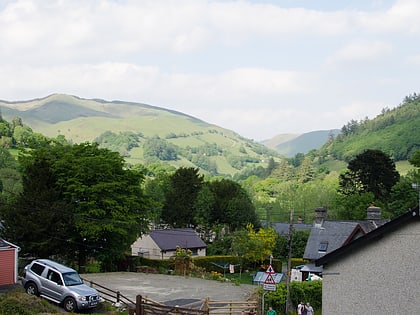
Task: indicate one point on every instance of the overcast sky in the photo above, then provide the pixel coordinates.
(257, 67)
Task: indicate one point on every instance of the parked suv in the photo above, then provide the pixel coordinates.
(59, 284)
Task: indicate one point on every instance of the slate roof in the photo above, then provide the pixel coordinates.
(335, 234)
(386, 228)
(5, 244)
(283, 228)
(169, 239)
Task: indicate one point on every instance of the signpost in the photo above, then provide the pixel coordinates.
(269, 283)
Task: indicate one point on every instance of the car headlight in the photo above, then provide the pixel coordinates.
(82, 298)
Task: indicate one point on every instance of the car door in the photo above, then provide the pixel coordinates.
(53, 285)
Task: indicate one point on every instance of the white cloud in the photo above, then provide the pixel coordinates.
(361, 51)
(255, 67)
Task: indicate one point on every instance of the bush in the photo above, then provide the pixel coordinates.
(307, 291)
(18, 302)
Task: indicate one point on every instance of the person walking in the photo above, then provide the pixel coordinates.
(309, 309)
(300, 307)
(271, 311)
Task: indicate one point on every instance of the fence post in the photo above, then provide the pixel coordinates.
(118, 296)
(139, 308)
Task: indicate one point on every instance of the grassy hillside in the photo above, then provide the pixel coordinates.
(395, 131)
(141, 133)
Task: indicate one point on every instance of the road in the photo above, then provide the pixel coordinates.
(168, 288)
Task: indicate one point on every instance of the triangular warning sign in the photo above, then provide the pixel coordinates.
(269, 279)
(270, 270)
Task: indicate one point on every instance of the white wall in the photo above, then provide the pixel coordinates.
(381, 278)
(146, 243)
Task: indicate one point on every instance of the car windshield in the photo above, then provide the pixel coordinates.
(71, 278)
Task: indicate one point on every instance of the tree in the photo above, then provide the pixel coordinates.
(226, 202)
(415, 158)
(77, 201)
(180, 198)
(261, 244)
(371, 171)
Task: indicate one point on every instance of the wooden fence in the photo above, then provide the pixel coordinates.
(231, 307)
(145, 306)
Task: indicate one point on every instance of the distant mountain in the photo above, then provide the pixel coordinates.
(290, 144)
(141, 133)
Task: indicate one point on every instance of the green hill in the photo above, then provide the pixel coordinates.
(141, 133)
(395, 131)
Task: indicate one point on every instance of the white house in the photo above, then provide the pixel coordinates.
(377, 273)
(161, 244)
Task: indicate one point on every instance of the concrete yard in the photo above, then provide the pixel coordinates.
(167, 288)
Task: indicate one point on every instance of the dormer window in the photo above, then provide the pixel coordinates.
(323, 246)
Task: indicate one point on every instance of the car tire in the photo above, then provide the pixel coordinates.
(31, 289)
(70, 305)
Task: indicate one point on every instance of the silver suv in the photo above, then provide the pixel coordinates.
(59, 284)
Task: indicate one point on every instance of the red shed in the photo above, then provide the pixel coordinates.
(8, 262)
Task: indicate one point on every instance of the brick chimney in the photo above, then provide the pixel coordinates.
(320, 215)
(373, 213)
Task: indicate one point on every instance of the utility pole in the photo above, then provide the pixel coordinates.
(289, 262)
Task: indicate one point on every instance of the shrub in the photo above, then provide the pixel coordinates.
(307, 291)
(18, 302)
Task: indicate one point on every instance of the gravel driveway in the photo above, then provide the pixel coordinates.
(166, 288)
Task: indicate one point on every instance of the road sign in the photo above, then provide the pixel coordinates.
(269, 280)
(269, 287)
(270, 270)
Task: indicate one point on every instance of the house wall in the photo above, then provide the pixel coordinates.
(8, 266)
(380, 278)
(144, 244)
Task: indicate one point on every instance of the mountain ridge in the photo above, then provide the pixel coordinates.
(141, 133)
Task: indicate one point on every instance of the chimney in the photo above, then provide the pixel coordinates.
(320, 215)
(373, 213)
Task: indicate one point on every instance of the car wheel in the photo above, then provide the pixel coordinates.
(70, 304)
(31, 289)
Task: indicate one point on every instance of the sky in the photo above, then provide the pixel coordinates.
(257, 67)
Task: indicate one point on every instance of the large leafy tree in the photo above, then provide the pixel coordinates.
(180, 197)
(256, 246)
(371, 171)
(225, 202)
(77, 200)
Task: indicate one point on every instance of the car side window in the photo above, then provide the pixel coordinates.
(54, 276)
(37, 268)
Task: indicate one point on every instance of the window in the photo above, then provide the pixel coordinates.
(38, 269)
(54, 277)
(323, 246)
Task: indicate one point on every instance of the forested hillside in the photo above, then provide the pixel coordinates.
(394, 131)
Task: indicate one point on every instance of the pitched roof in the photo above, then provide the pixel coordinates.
(169, 239)
(335, 234)
(283, 228)
(6, 244)
(389, 227)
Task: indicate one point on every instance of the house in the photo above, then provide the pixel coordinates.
(328, 235)
(161, 244)
(378, 273)
(284, 228)
(8, 262)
